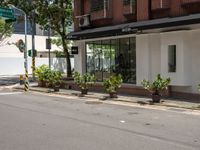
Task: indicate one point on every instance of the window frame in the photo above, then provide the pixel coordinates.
(172, 62)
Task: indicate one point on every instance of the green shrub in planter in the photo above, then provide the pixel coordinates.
(84, 81)
(156, 87)
(54, 79)
(41, 74)
(199, 87)
(112, 84)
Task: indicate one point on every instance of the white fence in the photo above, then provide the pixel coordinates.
(15, 66)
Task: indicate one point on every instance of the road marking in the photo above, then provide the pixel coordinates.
(11, 93)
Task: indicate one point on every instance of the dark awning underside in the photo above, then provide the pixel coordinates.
(130, 28)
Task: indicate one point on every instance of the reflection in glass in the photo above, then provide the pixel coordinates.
(116, 56)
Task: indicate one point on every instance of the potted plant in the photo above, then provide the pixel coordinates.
(112, 84)
(84, 81)
(54, 80)
(41, 74)
(156, 87)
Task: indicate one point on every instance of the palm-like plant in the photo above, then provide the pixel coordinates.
(112, 84)
(157, 86)
(84, 81)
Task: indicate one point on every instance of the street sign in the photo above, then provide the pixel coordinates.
(74, 50)
(7, 14)
(48, 44)
(31, 53)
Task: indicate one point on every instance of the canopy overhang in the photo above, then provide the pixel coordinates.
(135, 27)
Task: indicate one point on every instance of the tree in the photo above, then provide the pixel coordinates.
(6, 30)
(57, 15)
(28, 6)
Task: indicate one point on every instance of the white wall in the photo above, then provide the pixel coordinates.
(180, 77)
(12, 51)
(15, 66)
(80, 59)
(12, 60)
(152, 58)
(147, 56)
(142, 58)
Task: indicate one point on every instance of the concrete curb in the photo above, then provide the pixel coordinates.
(104, 98)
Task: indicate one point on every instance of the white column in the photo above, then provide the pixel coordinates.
(80, 59)
(142, 58)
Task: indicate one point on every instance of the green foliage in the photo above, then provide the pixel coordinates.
(60, 54)
(58, 16)
(51, 77)
(199, 87)
(113, 83)
(6, 30)
(84, 81)
(54, 14)
(42, 73)
(54, 78)
(158, 85)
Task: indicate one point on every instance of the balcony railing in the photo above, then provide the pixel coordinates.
(101, 9)
(160, 5)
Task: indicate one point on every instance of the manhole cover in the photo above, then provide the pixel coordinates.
(93, 102)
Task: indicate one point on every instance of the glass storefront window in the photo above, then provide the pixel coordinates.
(108, 57)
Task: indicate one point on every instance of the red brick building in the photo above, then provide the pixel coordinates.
(142, 38)
(112, 12)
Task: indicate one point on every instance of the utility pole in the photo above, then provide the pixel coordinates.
(26, 84)
(48, 45)
(33, 44)
(49, 32)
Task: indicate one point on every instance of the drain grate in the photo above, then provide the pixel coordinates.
(133, 113)
(93, 102)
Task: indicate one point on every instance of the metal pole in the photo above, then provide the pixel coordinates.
(49, 49)
(26, 85)
(33, 45)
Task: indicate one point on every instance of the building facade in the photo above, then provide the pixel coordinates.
(140, 39)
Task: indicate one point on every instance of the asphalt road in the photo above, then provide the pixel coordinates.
(8, 80)
(39, 122)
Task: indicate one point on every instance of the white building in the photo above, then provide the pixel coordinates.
(141, 50)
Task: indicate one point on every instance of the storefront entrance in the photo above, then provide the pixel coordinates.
(115, 56)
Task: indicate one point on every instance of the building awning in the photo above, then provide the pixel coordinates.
(134, 27)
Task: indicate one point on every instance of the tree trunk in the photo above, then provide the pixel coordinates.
(69, 69)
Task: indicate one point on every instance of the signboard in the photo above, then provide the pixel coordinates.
(74, 50)
(7, 14)
(48, 43)
(32, 53)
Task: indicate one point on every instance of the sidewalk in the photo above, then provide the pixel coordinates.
(128, 99)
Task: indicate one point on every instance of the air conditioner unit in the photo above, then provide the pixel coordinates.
(84, 21)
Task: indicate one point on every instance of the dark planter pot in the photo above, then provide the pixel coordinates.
(41, 84)
(56, 89)
(84, 91)
(113, 95)
(156, 98)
